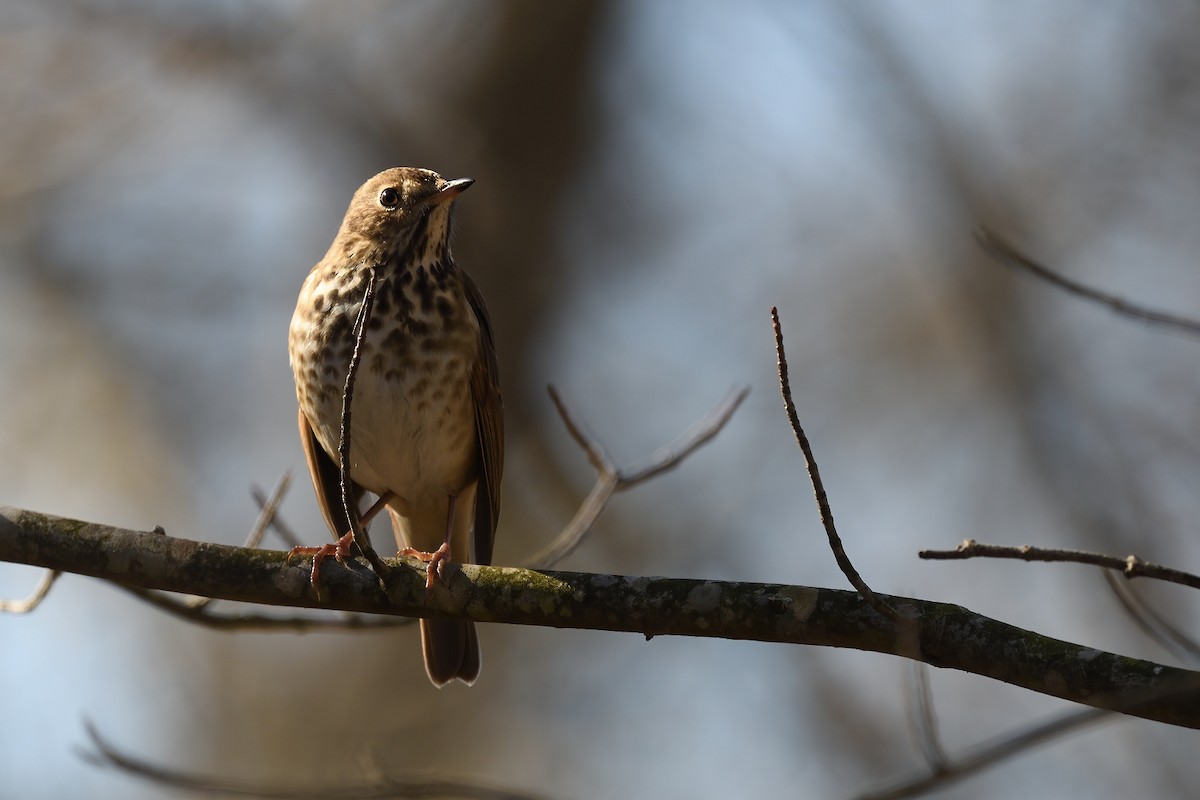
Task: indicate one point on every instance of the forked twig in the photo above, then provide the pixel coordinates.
(997, 247)
(1130, 566)
(814, 475)
(106, 755)
(611, 478)
(265, 515)
(282, 529)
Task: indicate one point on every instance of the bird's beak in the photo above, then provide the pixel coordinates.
(451, 190)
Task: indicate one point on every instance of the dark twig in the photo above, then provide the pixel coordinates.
(814, 475)
(348, 505)
(1130, 566)
(997, 247)
(989, 754)
(35, 599)
(611, 479)
(106, 755)
(1153, 624)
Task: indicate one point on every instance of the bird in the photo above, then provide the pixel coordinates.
(426, 435)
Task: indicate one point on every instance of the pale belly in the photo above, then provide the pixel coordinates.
(413, 436)
(412, 421)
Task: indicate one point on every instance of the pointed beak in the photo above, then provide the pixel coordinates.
(451, 190)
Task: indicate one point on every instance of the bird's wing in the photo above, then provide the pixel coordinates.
(489, 427)
(327, 480)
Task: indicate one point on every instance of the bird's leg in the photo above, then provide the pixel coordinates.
(440, 556)
(341, 549)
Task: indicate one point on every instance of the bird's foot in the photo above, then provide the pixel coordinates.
(436, 559)
(341, 550)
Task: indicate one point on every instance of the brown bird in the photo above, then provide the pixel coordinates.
(427, 428)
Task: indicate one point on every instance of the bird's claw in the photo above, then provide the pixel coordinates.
(436, 563)
(341, 550)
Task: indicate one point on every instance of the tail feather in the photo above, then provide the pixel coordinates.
(451, 649)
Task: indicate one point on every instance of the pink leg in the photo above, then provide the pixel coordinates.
(341, 549)
(440, 556)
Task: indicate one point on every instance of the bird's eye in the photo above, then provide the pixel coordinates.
(389, 198)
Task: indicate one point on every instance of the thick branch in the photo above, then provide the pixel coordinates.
(949, 636)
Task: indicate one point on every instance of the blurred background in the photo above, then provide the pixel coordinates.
(652, 178)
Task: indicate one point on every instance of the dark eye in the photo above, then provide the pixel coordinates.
(389, 198)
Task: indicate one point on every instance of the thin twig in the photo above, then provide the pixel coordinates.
(1130, 566)
(35, 599)
(1153, 624)
(997, 247)
(814, 475)
(989, 754)
(348, 505)
(611, 479)
(106, 755)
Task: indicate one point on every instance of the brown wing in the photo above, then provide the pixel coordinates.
(327, 480)
(489, 427)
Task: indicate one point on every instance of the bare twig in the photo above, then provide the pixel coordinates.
(611, 479)
(1152, 623)
(1130, 566)
(106, 755)
(997, 247)
(989, 754)
(348, 505)
(814, 475)
(35, 599)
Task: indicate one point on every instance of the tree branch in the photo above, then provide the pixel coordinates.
(949, 636)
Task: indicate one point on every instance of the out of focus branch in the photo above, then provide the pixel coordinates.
(988, 754)
(999, 248)
(382, 786)
(948, 636)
